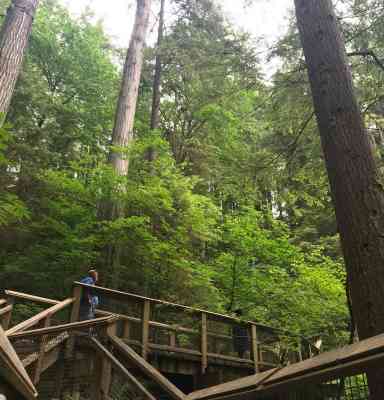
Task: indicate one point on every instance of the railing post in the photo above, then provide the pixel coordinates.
(299, 352)
(75, 312)
(255, 348)
(127, 330)
(106, 367)
(172, 338)
(6, 320)
(204, 343)
(39, 361)
(145, 328)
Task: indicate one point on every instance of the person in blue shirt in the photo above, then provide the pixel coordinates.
(89, 301)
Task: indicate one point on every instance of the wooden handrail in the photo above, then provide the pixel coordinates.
(39, 317)
(171, 328)
(197, 311)
(64, 327)
(30, 297)
(213, 315)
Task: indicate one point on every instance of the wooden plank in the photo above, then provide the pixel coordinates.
(122, 369)
(41, 353)
(230, 387)
(36, 299)
(12, 369)
(204, 343)
(2, 302)
(351, 359)
(73, 326)
(39, 317)
(255, 348)
(147, 368)
(145, 328)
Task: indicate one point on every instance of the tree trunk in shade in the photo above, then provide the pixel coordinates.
(14, 37)
(126, 107)
(357, 192)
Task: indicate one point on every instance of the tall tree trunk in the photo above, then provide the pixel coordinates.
(357, 192)
(155, 116)
(126, 107)
(14, 37)
(156, 97)
(122, 134)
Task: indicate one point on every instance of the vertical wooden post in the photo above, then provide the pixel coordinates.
(59, 379)
(8, 316)
(255, 348)
(172, 338)
(39, 361)
(145, 328)
(204, 343)
(77, 292)
(310, 350)
(127, 329)
(299, 352)
(106, 368)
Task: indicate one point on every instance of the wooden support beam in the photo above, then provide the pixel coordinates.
(204, 343)
(122, 369)
(75, 312)
(49, 312)
(106, 367)
(147, 368)
(5, 310)
(255, 348)
(7, 316)
(127, 330)
(12, 369)
(145, 328)
(41, 353)
(172, 339)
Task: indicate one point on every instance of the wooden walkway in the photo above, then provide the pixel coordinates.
(131, 334)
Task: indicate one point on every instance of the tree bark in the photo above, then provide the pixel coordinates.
(14, 37)
(357, 193)
(126, 107)
(155, 116)
(156, 96)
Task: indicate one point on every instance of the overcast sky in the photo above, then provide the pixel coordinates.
(267, 18)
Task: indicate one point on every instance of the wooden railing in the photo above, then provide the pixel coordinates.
(144, 331)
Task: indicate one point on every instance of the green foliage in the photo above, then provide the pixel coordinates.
(235, 210)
